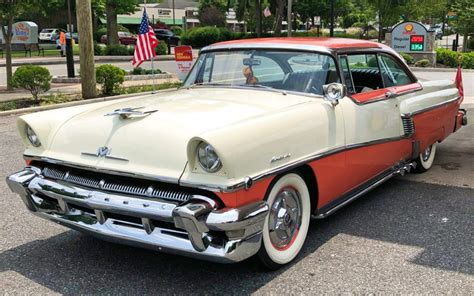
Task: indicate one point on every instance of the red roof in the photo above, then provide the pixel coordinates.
(332, 43)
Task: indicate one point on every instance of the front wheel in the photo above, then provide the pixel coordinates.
(287, 223)
(425, 161)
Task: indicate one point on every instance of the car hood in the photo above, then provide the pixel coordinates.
(156, 144)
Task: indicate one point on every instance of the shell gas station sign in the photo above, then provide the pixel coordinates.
(23, 33)
(409, 37)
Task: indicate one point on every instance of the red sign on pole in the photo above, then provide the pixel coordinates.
(184, 60)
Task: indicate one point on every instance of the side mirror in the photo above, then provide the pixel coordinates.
(333, 92)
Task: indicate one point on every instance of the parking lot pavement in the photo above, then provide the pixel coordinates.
(411, 235)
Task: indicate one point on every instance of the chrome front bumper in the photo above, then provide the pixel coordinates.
(196, 228)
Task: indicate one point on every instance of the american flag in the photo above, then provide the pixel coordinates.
(146, 42)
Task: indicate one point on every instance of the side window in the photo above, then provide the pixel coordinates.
(267, 70)
(365, 72)
(392, 73)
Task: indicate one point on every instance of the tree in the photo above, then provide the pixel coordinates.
(86, 45)
(9, 10)
(212, 12)
(464, 21)
(388, 11)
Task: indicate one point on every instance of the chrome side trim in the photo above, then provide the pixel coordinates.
(289, 166)
(433, 107)
(229, 188)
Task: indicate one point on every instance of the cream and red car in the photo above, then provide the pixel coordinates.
(264, 135)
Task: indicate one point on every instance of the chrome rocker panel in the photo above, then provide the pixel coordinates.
(196, 222)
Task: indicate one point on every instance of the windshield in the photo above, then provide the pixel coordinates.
(297, 71)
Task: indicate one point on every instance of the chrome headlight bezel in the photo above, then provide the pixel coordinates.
(207, 158)
(32, 136)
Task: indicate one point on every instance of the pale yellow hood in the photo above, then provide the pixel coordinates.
(156, 144)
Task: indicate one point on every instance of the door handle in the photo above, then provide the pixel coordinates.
(390, 95)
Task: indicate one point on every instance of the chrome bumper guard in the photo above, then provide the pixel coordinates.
(196, 228)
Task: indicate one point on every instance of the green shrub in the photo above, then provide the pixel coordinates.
(201, 36)
(141, 71)
(102, 30)
(452, 58)
(35, 79)
(177, 30)
(99, 49)
(422, 63)
(110, 78)
(408, 58)
(225, 34)
(161, 48)
(117, 50)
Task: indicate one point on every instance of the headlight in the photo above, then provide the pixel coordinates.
(32, 137)
(208, 158)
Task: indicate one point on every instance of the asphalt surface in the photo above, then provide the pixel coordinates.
(413, 234)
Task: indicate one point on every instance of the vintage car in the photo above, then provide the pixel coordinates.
(264, 135)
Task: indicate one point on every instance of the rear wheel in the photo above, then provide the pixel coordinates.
(287, 224)
(425, 161)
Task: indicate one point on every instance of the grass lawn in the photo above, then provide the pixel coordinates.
(49, 51)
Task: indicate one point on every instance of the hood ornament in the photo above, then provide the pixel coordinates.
(126, 113)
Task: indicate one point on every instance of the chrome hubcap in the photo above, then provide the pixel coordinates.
(285, 218)
(426, 154)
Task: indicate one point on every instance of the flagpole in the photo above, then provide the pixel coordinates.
(152, 61)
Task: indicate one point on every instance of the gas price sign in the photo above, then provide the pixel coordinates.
(417, 43)
(409, 37)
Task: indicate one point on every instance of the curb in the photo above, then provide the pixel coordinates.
(65, 79)
(430, 69)
(76, 103)
(101, 59)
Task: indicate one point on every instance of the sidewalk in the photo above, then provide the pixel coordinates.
(103, 59)
(62, 88)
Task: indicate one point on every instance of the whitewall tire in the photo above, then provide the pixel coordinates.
(425, 161)
(286, 225)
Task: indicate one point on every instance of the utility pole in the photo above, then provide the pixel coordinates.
(289, 18)
(174, 18)
(331, 30)
(86, 44)
(258, 13)
(69, 50)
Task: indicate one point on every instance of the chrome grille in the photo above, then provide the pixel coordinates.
(408, 126)
(106, 183)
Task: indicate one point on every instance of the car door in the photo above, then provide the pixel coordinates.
(373, 125)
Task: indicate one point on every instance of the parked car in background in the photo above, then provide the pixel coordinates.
(168, 36)
(264, 135)
(49, 35)
(438, 28)
(125, 38)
